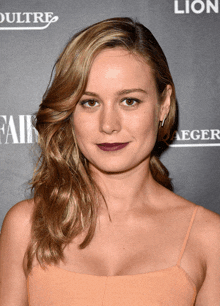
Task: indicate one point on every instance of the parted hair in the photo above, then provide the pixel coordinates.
(65, 195)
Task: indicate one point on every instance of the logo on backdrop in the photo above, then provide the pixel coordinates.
(26, 20)
(17, 129)
(196, 6)
(196, 138)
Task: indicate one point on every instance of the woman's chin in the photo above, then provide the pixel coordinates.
(109, 169)
(112, 168)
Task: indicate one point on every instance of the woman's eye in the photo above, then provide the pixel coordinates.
(130, 102)
(89, 103)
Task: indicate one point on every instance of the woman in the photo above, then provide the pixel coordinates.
(104, 227)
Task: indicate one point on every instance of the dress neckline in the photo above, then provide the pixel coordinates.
(139, 275)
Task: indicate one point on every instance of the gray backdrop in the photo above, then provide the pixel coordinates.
(33, 33)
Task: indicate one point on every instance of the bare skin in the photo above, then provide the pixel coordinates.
(147, 223)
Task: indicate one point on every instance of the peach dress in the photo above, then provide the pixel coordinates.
(55, 286)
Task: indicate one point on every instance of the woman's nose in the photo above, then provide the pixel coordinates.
(110, 120)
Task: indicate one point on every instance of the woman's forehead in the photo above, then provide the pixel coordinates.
(119, 68)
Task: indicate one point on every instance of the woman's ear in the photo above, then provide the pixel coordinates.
(165, 106)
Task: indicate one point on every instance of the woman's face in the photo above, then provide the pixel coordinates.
(116, 120)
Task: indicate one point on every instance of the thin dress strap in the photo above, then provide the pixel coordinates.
(187, 235)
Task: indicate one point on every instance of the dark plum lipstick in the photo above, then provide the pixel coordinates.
(112, 146)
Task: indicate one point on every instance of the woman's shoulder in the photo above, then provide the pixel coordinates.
(208, 224)
(206, 221)
(16, 227)
(205, 231)
(209, 217)
(15, 237)
(19, 215)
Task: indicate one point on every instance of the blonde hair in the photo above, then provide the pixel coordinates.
(65, 195)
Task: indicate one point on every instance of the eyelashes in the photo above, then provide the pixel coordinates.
(89, 103)
(131, 101)
(127, 102)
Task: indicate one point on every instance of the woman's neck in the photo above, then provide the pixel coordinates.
(126, 191)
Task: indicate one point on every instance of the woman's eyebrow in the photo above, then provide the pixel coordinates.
(127, 91)
(89, 93)
(119, 93)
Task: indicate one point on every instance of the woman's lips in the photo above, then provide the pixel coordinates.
(112, 146)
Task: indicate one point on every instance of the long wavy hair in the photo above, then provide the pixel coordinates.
(65, 195)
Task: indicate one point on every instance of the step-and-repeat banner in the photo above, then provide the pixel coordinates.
(33, 33)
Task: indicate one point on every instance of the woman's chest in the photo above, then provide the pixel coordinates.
(134, 252)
